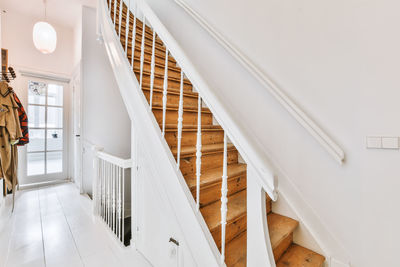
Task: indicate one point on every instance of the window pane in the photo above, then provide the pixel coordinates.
(54, 162)
(54, 117)
(36, 140)
(54, 140)
(36, 93)
(35, 163)
(55, 95)
(36, 116)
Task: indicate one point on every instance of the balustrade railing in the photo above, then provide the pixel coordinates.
(109, 194)
(107, 173)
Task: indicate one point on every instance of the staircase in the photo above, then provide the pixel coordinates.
(168, 85)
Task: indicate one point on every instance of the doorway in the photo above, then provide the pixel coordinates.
(45, 158)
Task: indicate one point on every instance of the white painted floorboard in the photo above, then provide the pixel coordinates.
(54, 226)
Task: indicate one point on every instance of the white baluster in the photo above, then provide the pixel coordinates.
(115, 11)
(109, 195)
(134, 36)
(95, 184)
(127, 26)
(198, 154)
(108, 192)
(224, 199)
(119, 203)
(123, 206)
(105, 190)
(114, 198)
(121, 4)
(165, 87)
(153, 63)
(180, 121)
(142, 53)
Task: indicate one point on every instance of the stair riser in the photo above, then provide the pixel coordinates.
(268, 204)
(172, 100)
(233, 229)
(147, 47)
(159, 82)
(148, 42)
(159, 58)
(208, 161)
(190, 137)
(283, 246)
(188, 117)
(138, 35)
(139, 24)
(172, 72)
(212, 193)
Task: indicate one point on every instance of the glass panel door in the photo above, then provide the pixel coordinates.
(45, 151)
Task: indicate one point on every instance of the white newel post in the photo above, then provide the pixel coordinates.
(259, 250)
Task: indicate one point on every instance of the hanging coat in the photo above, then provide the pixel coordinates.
(10, 133)
(23, 121)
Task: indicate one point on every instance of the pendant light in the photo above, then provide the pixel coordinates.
(44, 35)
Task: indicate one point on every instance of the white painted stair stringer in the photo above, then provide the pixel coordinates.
(196, 236)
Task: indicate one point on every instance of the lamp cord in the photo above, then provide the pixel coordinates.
(45, 10)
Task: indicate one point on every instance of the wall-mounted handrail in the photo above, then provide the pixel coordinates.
(300, 116)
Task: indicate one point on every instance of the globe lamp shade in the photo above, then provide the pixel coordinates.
(44, 37)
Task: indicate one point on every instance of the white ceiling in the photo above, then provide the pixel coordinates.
(61, 12)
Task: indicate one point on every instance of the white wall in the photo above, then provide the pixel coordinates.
(17, 38)
(105, 121)
(339, 61)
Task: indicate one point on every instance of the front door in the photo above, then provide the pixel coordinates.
(45, 156)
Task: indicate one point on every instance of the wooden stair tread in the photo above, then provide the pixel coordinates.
(236, 209)
(191, 150)
(298, 256)
(203, 110)
(158, 75)
(171, 67)
(190, 127)
(172, 91)
(236, 251)
(212, 176)
(279, 228)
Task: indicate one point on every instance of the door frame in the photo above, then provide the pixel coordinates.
(22, 92)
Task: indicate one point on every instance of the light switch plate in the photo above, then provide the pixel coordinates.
(390, 142)
(374, 142)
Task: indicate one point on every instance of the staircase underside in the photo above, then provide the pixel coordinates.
(281, 228)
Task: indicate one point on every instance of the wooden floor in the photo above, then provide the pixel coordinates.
(54, 226)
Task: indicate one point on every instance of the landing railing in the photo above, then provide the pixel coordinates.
(109, 187)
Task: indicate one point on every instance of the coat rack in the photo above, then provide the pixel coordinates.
(8, 75)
